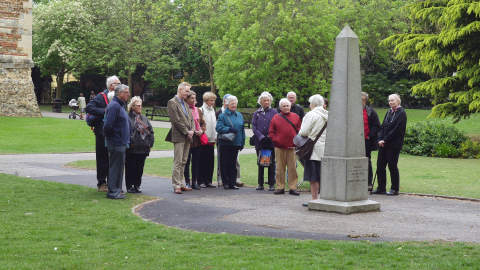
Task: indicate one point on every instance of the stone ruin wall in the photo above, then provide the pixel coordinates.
(17, 96)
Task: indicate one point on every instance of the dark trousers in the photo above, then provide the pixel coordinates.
(368, 153)
(228, 167)
(388, 156)
(134, 164)
(101, 155)
(207, 162)
(194, 159)
(115, 172)
(271, 171)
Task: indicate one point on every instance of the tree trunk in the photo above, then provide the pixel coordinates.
(130, 83)
(59, 79)
(210, 72)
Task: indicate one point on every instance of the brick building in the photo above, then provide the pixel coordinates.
(17, 97)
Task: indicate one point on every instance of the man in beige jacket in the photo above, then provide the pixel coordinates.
(180, 135)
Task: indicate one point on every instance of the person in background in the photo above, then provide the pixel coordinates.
(207, 162)
(82, 105)
(180, 135)
(92, 96)
(371, 125)
(295, 108)
(312, 124)
(237, 164)
(390, 142)
(117, 137)
(195, 155)
(283, 127)
(230, 121)
(260, 124)
(97, 107)
(141, 141)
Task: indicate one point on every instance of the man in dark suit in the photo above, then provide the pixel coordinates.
(180, 135)
(295, 108)
(390, 142)
(371, 126)
(97, 107)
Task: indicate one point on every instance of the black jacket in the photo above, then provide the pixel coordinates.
(374, 127)
(393, 128)
(296, 109)
(139, 145)
(97, 107)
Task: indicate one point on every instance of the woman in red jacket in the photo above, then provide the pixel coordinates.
(283, 128)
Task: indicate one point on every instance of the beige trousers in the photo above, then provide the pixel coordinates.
(285, 158)
(180, 156)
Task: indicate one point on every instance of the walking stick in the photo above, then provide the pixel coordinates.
(373, 182)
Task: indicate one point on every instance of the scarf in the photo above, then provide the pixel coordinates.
(196, 118)
(140, 126)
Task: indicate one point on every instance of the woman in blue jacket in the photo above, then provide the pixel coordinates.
(230, 121)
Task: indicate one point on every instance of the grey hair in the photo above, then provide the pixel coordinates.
(397, 97)
(183, 86)
(291, 93)
(264, 95)
(111, 80)
(231, 98)
(134, 101)
(316, 100)
(284, 100)
(120, 88)
(364, 94)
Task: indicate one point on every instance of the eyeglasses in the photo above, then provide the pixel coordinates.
(137, 105)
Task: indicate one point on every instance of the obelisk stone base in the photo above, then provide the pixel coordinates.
(344, 207)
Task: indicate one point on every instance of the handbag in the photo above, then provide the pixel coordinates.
(230, 136)
(265, 158)
(304, 148)
(203, 139)
(252, 140)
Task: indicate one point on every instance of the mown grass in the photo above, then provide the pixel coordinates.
(440, 176)
(61, 226)
(51, 135)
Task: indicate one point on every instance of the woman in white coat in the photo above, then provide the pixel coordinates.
(312, 124)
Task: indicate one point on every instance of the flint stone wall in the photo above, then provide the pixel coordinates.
(17, 97)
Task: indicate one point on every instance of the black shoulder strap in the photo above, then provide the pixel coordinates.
(320, 133)
(290, 122)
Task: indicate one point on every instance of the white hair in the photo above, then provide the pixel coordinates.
(397, 97)
(134, 101)
(364, 94)
(316, 100)
(284, 100)
(264, 95)
(230, 99)
(292, 93)
(111, 80)
(120, 88)
(183, 86)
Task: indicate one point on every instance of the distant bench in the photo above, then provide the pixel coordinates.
(156, 111)
(247, 119)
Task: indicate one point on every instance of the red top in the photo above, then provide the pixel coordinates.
(366, 129)
(281, 132)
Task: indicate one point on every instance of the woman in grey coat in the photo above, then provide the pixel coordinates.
(141, 141)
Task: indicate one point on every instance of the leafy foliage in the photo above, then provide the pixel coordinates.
(443, 43)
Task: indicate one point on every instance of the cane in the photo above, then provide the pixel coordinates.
(373, 182)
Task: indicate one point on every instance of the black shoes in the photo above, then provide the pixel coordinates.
(195, 186)
(210, 186)
(305, 204)
(392, 193)
(260, 188)
(293, 192)
(379, 192)
(116, 197)
(271, 188)
(279, 191)
(131, 190)
(234, 187)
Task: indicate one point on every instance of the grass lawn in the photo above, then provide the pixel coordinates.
(51, 135)
(440, 176)
(78, 228)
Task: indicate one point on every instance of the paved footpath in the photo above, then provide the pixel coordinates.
(250, 212)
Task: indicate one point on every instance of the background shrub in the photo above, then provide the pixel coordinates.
(470, 149)
(433, 138)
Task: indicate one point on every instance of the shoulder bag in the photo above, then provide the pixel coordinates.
(304, 145)
(230, 136)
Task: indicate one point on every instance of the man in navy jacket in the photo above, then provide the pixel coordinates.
(97, 107)
(117, 136)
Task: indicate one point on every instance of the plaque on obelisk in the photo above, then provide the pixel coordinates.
(344, 172)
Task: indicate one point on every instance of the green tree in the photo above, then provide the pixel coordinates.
(276, 46)
(61, 34)
(444, 44)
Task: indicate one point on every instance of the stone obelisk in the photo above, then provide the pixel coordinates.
(343, 186)
(17, 97)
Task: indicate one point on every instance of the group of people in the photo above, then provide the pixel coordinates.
(124, 138)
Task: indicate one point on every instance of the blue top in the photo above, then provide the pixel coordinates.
(116, 125)
(224, 126)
